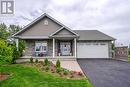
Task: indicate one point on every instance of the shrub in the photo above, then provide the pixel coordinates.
(58, 69)
(17, 53)
(128, 59)
(79, 73)
(66, 72)
(47, 68)
(36, 60)
(72, 76)
(58, 63)
(6, 54)
(46, 62)
(31, 60)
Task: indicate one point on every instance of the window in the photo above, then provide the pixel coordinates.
(46, 22)
(95, 43)
(88, 43)
(41, 46)
(102, 44)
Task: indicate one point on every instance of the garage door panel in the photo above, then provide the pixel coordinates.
(92, 51)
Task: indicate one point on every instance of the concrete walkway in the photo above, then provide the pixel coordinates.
(70, 65)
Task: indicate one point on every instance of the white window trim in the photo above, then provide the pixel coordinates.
(40, 42)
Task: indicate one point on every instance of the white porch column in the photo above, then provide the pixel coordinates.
(75, 47)
(53, 47)
(17, 44)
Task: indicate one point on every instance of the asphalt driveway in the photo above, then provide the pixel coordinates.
(106, 73)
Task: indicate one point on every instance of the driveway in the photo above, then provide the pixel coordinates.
(106, 73)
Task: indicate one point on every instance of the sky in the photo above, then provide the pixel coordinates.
(108, 16)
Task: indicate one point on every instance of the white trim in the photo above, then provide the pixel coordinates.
(32, 37)
(75, 47)
(62, 29)
(17, 44)
(39, 18)
(56, 31)
(53, 47)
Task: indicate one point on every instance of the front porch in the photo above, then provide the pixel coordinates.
(50, 48)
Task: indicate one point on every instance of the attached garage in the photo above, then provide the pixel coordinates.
(92, 50)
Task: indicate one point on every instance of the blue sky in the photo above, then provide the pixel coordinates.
(109, 16)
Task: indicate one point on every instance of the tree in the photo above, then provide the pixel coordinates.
(13, 29)
(3, 31)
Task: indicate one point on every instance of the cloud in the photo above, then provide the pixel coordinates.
(109, 16)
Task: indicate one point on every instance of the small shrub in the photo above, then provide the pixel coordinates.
(47, 68)
(66, 72)
(79, 73)
(61, 74)
(58, 69)
(58, 64)
(52, 69)
(31, 60)
(72, 76)
(46, 62)
(36, 60)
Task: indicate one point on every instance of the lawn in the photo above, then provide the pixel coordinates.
(23, 76)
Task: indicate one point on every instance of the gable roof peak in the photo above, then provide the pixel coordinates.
(41, 17)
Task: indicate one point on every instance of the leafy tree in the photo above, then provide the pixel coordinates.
(13, 29)
(3, 31)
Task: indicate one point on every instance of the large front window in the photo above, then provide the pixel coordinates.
(41, 48)
(65, 48)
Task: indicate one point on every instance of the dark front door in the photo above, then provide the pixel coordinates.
(65, 48)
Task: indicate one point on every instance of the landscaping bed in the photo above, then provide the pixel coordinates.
(3, 76)
(55, 69)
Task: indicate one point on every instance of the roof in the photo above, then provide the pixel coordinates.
(92, 35)
(82, 34)
(66, 29)
(40, 18)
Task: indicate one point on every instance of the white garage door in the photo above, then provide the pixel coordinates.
(92, 50)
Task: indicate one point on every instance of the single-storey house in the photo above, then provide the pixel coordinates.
(46, 37)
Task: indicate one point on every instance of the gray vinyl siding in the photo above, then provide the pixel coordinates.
(64, 32)
(39, 29)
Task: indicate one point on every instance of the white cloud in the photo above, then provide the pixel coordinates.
(109, 16)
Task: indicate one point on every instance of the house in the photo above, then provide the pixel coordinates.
(121, 52)
(46, 37)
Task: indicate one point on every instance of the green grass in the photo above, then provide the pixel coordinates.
(128, 58)
(22, 76)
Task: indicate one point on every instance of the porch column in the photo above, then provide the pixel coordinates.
(17, 44)
(75, 47)
(53, 47)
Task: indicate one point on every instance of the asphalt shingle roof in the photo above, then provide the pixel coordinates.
(92, 35)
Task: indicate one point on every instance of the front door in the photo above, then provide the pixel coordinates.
(65, 48)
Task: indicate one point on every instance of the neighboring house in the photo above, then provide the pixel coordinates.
(46, 37)
(121, 52)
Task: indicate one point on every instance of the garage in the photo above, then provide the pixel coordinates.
(92, 50)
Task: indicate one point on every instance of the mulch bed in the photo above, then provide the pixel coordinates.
(3, 76)
(52, 69)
